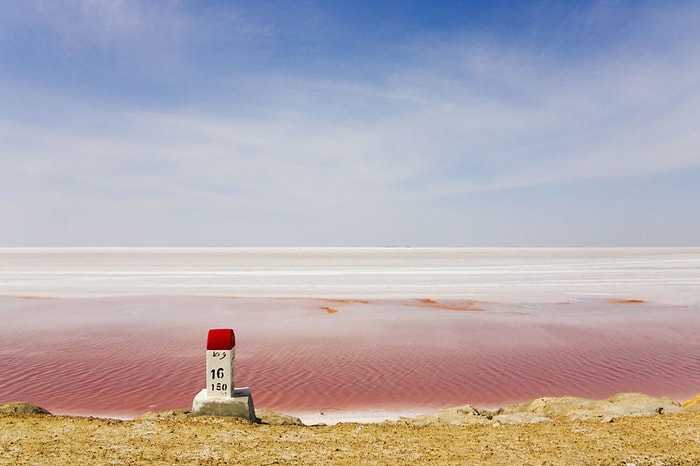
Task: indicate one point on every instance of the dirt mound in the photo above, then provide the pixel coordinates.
(22, 408)
(551, 408)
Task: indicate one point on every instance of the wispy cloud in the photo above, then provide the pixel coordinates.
(454, 115)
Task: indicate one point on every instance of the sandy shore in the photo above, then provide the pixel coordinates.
(176, 437)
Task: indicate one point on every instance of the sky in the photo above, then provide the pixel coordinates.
(349, 123)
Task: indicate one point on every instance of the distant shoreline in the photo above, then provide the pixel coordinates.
(516, 275)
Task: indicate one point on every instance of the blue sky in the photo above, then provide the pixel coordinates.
(338, 123)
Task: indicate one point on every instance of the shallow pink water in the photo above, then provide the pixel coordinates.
(126, 356)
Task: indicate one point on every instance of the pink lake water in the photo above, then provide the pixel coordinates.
(127, 354)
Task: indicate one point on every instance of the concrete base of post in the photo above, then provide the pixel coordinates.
(240, 405)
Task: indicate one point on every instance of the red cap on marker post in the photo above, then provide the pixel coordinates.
(221, 339)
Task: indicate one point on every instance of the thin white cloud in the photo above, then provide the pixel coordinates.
(115, 34)
(452, 119)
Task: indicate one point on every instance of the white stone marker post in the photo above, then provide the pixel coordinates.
(220, 397)
(221, 355)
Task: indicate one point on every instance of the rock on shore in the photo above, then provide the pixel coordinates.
(551, 408)
(22, 408)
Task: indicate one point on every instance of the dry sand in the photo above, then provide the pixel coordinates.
(176, 437)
